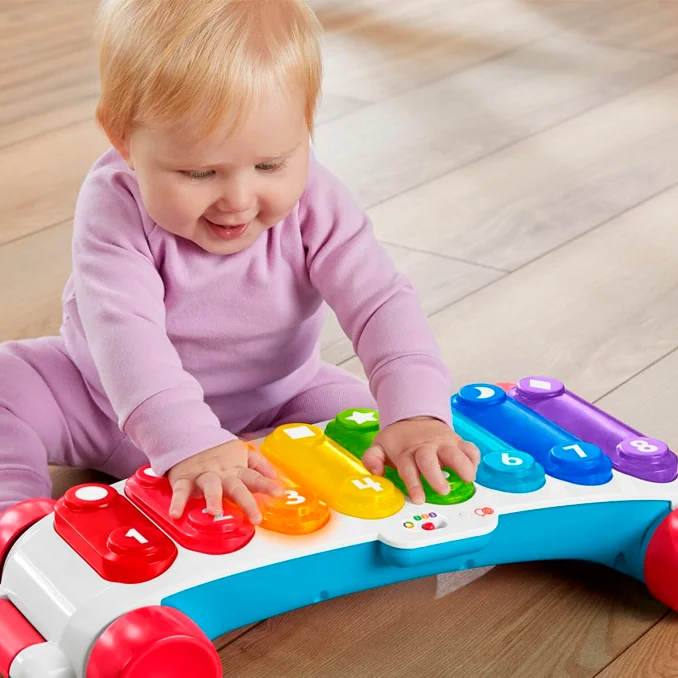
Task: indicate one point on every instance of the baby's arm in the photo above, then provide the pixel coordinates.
(380, 312)
(120, 300)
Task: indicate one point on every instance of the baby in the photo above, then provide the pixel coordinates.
(206, 243)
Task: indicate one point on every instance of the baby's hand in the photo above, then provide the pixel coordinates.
(234, 469)
(421, 446)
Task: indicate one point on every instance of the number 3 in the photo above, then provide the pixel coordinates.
(293, 497)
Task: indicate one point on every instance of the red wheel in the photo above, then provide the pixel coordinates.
(16, 520)
(153, 642)
(661, 562)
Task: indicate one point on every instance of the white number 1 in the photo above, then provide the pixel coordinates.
(577, 449)
(134, 534)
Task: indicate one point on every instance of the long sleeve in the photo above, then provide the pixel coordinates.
(120, 298)
(375, 304)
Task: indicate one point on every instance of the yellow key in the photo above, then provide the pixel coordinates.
(305, 454)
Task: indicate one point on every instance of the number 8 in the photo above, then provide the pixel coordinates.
(643, 446)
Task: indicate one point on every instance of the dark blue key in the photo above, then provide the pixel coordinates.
(562, 454)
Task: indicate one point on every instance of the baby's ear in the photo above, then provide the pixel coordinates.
(123, 147)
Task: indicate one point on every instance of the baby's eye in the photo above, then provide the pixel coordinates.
(271, 166)
(198, 174)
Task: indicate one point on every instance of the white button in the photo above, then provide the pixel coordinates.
(91, 493)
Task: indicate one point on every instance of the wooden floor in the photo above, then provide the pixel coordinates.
(520, 161)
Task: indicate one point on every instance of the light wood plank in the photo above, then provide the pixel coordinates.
(519, 203)
(411, 139)
(376, 49)
(47, 67)
(648, 401)
(32, 276)
(648, 25)
(40, 178)
(655, 655)
(590, 313)
(519, 620)
(439, 282)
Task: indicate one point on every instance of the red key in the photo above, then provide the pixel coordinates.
(196, 530)
(112, 535)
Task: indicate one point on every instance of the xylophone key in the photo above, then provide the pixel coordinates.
(307, 456)
(630, 451)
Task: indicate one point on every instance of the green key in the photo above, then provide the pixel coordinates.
(355, 430)
(459, 490)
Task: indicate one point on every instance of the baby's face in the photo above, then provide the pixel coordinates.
(223, 192)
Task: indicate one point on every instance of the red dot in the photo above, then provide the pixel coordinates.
(428, 526)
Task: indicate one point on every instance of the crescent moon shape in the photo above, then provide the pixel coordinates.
(484, 392)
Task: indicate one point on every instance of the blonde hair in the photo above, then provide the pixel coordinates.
(168, 61)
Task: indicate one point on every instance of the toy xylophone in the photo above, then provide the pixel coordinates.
(102, 584)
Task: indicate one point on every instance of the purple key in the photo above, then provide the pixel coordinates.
(630, 451)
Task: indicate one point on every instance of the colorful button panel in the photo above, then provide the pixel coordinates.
(510, 471)
(118, 541)
(428, 522)
(630, 451)
(355, 431)
(196, 530)
(297, 512)
(307, 456)
(561, 454)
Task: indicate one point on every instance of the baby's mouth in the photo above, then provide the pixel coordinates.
(226, 232)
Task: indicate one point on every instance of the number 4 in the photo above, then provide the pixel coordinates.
(367, 483)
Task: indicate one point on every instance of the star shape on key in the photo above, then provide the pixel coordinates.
(361, 417)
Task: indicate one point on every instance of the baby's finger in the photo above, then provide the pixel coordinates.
(236, 490)
(182, 488)
(428, 462)
(259, 463)
(450, 455)
(374, 460)
(255, 482)
(471, 451)
(210, 484)
(409, 474)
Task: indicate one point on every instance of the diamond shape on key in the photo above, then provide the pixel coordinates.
(300, 432)
(540, 384)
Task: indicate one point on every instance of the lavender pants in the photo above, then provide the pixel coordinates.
(47, 416)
